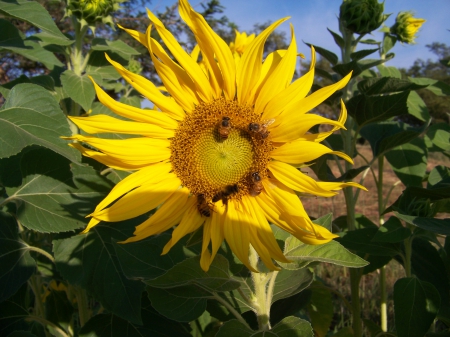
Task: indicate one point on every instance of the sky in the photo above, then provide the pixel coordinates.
(311, 18)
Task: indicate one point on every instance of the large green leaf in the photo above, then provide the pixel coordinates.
(371, 109)
(13, 40)
(53, 196)
(235, 328)
(439, 136)
(153, 324)
(384, 136)
(417, 107)
(409, 162)
(79, 88)
(320, 308)
(188, 272)
(330, 56)
(33, 13)
(46, 39)
(436, 87)
(332, 252)
(89, 260)
(117, 46)
(440, 226)
(337, 38)
(384, 85)
(392, 231)
(31, 116)
(143, 259)
(360, 54)
(290, 282)
(293, 327)
(17, 264)
(416, 304)
(389, 71)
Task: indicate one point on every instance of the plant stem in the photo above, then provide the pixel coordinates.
(355, 277)
(408, 253)
(42, 252)
(83, 308)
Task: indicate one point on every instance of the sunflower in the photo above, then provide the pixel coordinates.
(222, 150)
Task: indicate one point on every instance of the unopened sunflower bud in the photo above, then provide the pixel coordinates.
(134, 66)
(362, 16)
(91, 12)
(406, 27)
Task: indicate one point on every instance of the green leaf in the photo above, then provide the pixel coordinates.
(351, 174)
(53, 196)
(409, 162)
(436, 87)
(117, 46)
(360, 54)
(143, 260)
(13, 40)
(234, 328)
(388, 42)
(17, 264)
(369, 41)
(331, 57)
(187, 272)
(181, 304)
(293, 327)
(337, 38)
(31, 116)
(437, 175)
(371, 109)
(153, 324)
(384, 85)
(46, 39)
(290, 282)
(358, 66)
(416, 304)
(389, 71)
(79, 88)
(439, 136)
(33, 13)
(361, 241)
(331, 252)
(384, 136)
(320, 308)
(323, 73)
(361, 221)
(89, 260)
(58, 308)
(104, 72)
(417, 107)
(392, 231)
(440, 226)
(22, 334)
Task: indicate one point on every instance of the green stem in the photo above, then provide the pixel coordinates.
(83, 308)
(355, 277)
(408, 253)
(42, 252)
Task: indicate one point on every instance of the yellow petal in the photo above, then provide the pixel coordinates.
(184, 59)
(336, 186)
(205, 258)
(92, 223)
(134, 151)
(135, 34)
(298, 181)
(236, 233)
(213, 48)
(297, 109)
(292, 94)
(280, 78)
(140, 200)
(190, 222)
(300, 151)
(128, 111)
(107, 124)
(293, 128)
(166, 217)
(149, 90)
(249, 68)
(263, 229)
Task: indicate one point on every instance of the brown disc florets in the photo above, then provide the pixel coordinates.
(212, 154)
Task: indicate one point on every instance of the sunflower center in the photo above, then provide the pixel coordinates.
(213, 149)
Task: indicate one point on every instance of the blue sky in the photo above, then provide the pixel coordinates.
(311, 18)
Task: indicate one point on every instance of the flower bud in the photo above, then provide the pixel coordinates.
(91, 12)
(406, 27)
(362, 16)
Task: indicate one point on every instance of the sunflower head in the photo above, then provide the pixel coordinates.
(221, 150)
(362, 16)
(92, 12)
(406, 27)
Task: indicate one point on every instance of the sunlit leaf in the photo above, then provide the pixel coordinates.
(79, 88)
(417, 107)
(436, 87)
(290, 282)
(320, 308)
(439, 136)
(392, 231)
(293, 327)
(383, 85)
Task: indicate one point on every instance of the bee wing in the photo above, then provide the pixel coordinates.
(269, 122)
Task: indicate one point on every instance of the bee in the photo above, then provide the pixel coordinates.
(260, 128)
(256, 187)
(224, 127)
(203, 206)
(225, 193)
